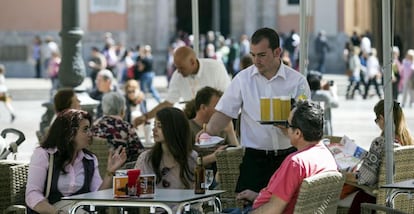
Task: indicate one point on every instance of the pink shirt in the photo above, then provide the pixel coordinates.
(286, 181)
(67, 184)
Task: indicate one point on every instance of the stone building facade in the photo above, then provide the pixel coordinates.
(155, 22)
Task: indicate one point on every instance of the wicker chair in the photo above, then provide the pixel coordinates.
(403, 164)
(320, 193)
(228, 168)
(100, 148)
(13, 186)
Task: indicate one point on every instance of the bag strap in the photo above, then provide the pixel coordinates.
(49, 174)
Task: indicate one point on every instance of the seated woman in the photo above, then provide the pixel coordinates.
(135, 100)
(367, 174)
(75, 169)
(171, 158)
(112, 127)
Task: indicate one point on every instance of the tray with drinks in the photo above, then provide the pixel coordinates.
(275, 122)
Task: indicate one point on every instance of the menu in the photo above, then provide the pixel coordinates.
(346, 153)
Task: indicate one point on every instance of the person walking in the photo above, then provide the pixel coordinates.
(4, 95)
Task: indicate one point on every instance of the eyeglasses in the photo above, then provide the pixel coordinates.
(130, 92)
(377, 119)
(288, 125)
(164, 172)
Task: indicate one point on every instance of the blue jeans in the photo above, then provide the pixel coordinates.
(238, 210)
(147, 86)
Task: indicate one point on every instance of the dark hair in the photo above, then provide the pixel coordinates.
(189, 109)
(62, 133)
(63, 99)
(314, 83)
(401, 130)
(176, 131)
(308, 117)
(94, 48)
(204, 96)
(266, 33)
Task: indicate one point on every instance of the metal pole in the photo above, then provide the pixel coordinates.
(388, 104)
(72, 67)
(195, 23)
(303, 54)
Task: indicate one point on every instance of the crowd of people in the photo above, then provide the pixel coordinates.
(279, 156)
(364, 70)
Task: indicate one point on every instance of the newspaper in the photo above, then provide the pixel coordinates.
(346, 153)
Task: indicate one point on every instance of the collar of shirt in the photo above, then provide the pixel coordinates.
(199, 71)
(280, 73)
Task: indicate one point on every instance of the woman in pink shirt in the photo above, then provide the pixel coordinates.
(75, 169)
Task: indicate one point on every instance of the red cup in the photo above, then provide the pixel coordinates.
(133, 182)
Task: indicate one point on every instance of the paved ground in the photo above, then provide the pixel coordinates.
(354, 118)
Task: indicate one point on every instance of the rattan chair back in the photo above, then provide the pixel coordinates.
(13, 185)
(228, 168)
(320, 193)
(100, 148)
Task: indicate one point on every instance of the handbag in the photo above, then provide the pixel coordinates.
(49, 175)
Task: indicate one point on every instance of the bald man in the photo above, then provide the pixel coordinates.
(191, 75)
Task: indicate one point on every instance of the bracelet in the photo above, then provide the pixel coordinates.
(110, 174)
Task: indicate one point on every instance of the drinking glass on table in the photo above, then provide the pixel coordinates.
(209, 178)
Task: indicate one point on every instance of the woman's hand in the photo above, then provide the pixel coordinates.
(116, 159)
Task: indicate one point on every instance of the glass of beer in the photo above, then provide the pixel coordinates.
(285, 107)
(265, 108)
(277, 108)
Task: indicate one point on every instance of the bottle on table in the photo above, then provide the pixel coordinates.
(199, 177)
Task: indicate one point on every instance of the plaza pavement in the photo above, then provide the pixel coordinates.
(354, 118)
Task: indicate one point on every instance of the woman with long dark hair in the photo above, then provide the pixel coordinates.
(75, 169)
(171, 158)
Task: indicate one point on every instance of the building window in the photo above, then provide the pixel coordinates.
(117, 6)
(293, 1)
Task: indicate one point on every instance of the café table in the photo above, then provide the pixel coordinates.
(406, 187)
(163, 198)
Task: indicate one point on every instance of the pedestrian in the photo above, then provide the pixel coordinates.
(268, 77)
(37, 56)
(4, 95)
(53, 71)
(321, 49)
(145, 65)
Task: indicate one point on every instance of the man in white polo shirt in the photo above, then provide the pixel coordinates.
(265, 145)
(191, 75)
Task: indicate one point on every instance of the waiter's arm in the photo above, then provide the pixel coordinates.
(217, 123)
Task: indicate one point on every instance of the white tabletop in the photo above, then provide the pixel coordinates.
(162, 198)
(403, 185)
(161, 195)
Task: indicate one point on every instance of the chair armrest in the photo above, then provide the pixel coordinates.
(367, 208)
(16, 209)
